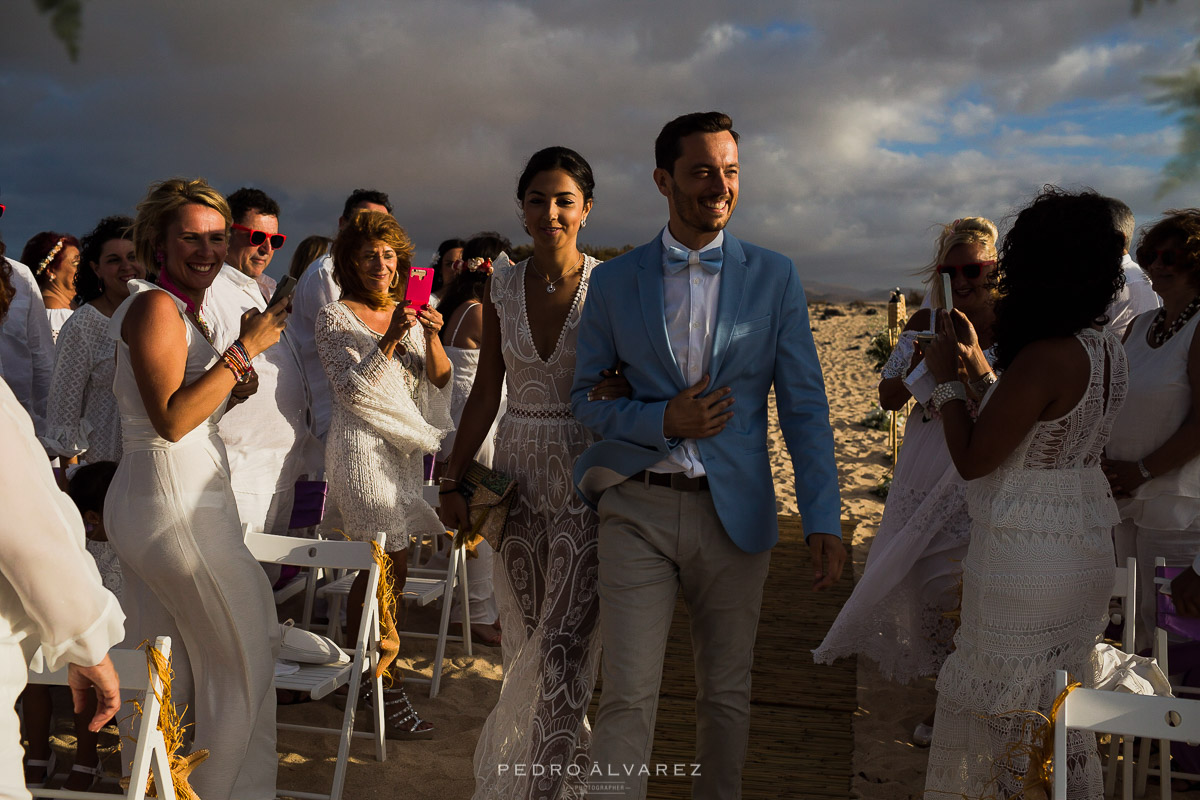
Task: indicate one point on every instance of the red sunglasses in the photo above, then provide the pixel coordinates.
(2, 207)
(969, 271)
(1168, 258)
(258, 237)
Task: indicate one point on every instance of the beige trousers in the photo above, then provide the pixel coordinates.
(655, 541)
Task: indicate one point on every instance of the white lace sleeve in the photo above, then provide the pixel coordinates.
(66, 431)
(376, 388)
(902, 355)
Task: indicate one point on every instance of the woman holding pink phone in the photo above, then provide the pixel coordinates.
(390, 381)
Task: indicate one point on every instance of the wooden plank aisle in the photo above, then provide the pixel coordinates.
(801, 739)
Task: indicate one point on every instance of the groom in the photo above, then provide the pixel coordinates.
(702, 326)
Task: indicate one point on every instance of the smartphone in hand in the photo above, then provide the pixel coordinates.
(420, 287)
(283, 290)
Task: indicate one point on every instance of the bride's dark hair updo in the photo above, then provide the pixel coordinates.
(1060, 267)
(552, 158)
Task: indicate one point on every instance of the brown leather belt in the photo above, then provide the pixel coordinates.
(672, 480)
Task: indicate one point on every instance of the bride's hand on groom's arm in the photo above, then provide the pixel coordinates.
(694, 415)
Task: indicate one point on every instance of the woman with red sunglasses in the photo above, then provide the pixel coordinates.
(1154, 452)
(897, 614)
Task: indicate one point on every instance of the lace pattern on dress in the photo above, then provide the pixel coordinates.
(81, 413)
(547, 570)
(1036, 585)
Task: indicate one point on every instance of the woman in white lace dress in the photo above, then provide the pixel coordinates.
(390, 382)
(534, 744)
(897, 613)
(1039, 567)
(170, 511)
(81, 415)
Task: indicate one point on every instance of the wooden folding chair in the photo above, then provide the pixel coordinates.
(1149, 716)
(320, 680)
(150, 748)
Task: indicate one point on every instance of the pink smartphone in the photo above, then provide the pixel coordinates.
(420, 286)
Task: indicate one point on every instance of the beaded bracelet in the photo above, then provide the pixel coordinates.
(945, 392)
(1142, 469)
(238, 361)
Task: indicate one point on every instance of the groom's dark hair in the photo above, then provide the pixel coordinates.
(667, 147)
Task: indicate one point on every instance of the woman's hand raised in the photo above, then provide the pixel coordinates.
(403, 318)
(261, 329)
(942, 354)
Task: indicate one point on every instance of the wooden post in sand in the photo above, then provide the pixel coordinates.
(897, 317)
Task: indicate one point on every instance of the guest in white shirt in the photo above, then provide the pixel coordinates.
(316, 290)
(1136, 296)
(262, 434)
(26, 344)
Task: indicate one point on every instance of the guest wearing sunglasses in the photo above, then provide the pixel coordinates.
(1154, 454)
(897, 613)
(265, 430)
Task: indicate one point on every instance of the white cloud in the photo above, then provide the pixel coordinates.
(845, 109)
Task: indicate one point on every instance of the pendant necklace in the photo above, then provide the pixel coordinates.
(551, 285)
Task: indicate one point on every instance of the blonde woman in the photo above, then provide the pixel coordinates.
(175, 525)
(897, 614)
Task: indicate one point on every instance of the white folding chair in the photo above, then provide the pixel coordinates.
(1125, 590)
(320, 680)
(1149, 716)
(150, 748)
(422, 587)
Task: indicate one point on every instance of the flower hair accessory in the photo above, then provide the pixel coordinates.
(476, 264)
(45, 262)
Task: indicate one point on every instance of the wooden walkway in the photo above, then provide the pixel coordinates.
(801, 739)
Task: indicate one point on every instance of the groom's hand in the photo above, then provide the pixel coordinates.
(692, 416)
(826, 547)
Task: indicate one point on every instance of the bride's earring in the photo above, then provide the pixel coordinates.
(583, 223)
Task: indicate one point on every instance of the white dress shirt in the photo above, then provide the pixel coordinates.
(27, 346)
(262, 434)
(315, 290)
(1136, 297)
(690, 307)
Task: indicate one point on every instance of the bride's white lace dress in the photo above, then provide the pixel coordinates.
(546, 574)
(1036, 585)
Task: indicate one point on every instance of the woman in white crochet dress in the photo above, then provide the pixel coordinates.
(1039, 567)
(546, 584)
(390, 381)
(897, 614)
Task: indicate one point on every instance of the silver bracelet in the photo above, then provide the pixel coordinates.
(980, 385)
(945, 392)
(1142, 469)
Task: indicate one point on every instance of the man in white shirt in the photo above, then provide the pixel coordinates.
(315, 291)
(26, 344)
(264, 433)
(1136, 296)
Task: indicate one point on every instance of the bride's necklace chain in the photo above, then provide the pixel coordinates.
(551, 285)
(1159, 333)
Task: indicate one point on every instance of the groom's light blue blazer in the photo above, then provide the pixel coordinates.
(761, 337)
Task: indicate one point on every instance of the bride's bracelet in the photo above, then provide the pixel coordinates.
(945, 392)
(238, 361)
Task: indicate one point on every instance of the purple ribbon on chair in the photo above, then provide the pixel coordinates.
(308, 509)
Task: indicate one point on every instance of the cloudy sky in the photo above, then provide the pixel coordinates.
(864, 122)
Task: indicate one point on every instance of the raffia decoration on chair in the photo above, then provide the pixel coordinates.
(170, 722)
(1039, 749)
(389, 639)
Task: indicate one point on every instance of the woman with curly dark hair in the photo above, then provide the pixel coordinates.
(81, 415)
(1039, 567)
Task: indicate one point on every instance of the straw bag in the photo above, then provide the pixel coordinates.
(490, 496)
